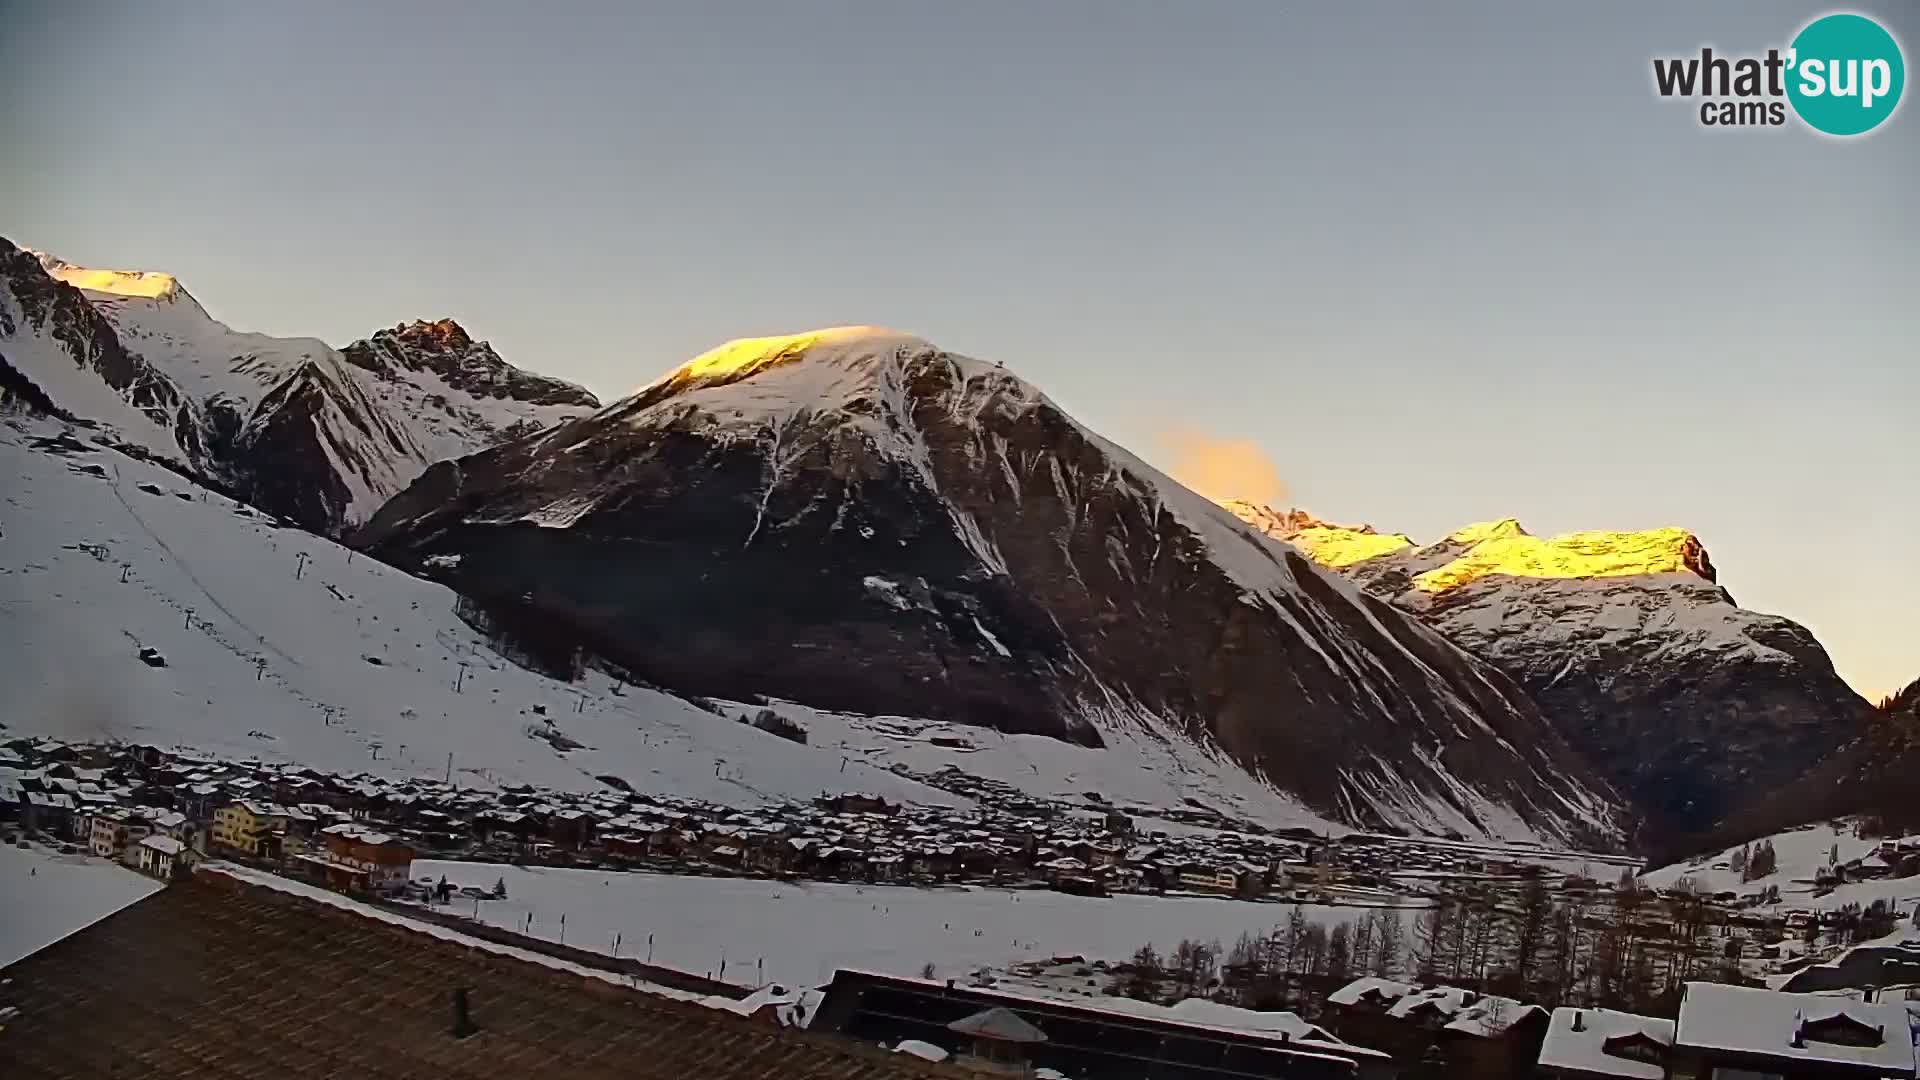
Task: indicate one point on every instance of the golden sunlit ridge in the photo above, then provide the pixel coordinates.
(1593, 554)
(745, 355)
(1494, 548)
(150, 284)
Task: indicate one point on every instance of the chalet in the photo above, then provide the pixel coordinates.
(626, 847)
(1743, 1033)
(1493, 1038)
(198, 800)
(1400, 1018)
(1601, 1044)
(357, 859)
(115, 833)
(250, 828)
(163, 856)
(571, 828)
(771, 853)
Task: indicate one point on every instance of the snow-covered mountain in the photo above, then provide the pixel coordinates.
(1690, 704)
(859, 520)
(278, 644)
(318, 435)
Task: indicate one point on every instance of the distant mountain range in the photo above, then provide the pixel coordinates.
(863, 521)
(1691, 705)
(318, 435)
(860, 521)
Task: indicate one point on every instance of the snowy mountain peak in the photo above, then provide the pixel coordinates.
(445, 349)
(870, 381)
(1330, 545)
(146, 284)
(1626, 641)
(742, 358)
(1502, 529)
(1593, 554)
(858, 520)
(318, 435)
(1488, 548)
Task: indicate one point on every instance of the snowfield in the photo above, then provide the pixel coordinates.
(45, 896)
(797, 934)
(281, 645)
(1800, 853)
(382, 429)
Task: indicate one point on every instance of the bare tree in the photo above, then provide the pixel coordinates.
(1340, 951)
(1142, 978)
(1193, 965)
(1391, 943)
(1313, 951)
(1530, 928)
(1433, 938)
(1363, 942)
(1292, 944)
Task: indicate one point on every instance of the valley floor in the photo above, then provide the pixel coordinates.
(799, 933)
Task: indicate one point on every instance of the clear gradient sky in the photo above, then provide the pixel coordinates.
(1441, 262)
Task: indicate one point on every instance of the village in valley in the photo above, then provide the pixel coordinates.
(1357, 954)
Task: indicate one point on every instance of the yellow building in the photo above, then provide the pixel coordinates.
(245, 826)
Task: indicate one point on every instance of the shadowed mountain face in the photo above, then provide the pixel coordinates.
(1692, 706)
(858, 520)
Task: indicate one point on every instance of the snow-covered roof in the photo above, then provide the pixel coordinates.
(57, 896)
(1751, 1021)
(1585, 1050)
(333, 899)
(920, 1049)
(1446, 1000)
(1351, 993)
(1491, 1017)
(999, 1024)
(165, 845)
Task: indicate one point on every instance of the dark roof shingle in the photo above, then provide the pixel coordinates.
(213, 978)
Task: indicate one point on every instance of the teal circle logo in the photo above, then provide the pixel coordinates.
(1845, 74)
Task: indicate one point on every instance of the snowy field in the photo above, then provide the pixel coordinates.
(46, 896)
(803, 931)
(1800, 853)
(284, 646)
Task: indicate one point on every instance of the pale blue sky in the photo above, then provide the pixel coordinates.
(1443, 263)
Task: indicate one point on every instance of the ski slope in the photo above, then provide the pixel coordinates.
(281, 645)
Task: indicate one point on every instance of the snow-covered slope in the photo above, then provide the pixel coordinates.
(858, 520)
(318, 435)
(57, 351)
(283, 645)
(1802, 855)
(1692, 705)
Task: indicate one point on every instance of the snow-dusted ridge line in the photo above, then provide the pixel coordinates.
(375, 413)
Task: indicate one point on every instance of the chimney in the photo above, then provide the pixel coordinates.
(463, 1024)
(1579, 1020)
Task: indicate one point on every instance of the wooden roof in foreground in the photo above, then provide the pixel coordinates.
(217, 978)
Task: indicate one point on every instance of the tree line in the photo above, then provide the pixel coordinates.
(1624, 948)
